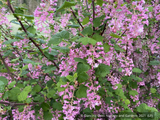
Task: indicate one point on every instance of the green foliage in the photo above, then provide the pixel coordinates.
(23, 95)
(65, 5)
(11, 84)
(154, 62)
(58, 37)
(106, 47)
(82, 77)
(81, 92)
(102, 70)
(81, 67)
(99, 2)
(87, 31)
(136, 70)
(87, 40)
(3, 83)
(52, 55)
(13, 93)
(85, 20)
(97, 21)
(98, 37)
(115, 36)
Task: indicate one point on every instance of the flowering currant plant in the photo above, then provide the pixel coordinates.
(87, 59)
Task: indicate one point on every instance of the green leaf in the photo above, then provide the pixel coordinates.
(142, 107)
(153, 90)
(98, 37)
(57, 106)
(87, 111)
(118, 10)
(45, 106)
(115, 36)
(82, 77)
(64, 34)
(60, 82)
(11, 84)
(106, 47)
(55, 40)
(70, 78)
(29, 61)
(150, 9)
(6, 71)
(47, 115)
(75, 75)
(108, 100)
(81, 67)
(154, 62)
(1, 3)
(37, 88)
(85, 20)
(32, 30)
(13, 93)
(133, 92)
(81, 92)
(73, 26)
(38, 98)
(28, 100)
(99, 2)
(2, 87)
(87, 31)
(25, 67)
(87, 40)
(102, 70)
(64, 49)
(66, 4)
(119, 92)
(27, 89)
(98, 21)
(29, 17)
(117, 48)
(127, 102)
(3, 80)
(80, 60)
(51, 93)
(22, 96)
(136, 70)
(119, 85)
(133, 84)
(120, 69)
(50, 68)
(58, 37)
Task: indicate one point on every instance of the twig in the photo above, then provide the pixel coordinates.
(87, 5)
(9, 5)
(121, 35)
(103, 29)
(76, 18)
(9, 72)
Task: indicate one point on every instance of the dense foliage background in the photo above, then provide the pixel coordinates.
(86, 59)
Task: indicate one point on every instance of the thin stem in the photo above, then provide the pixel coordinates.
(9, 72)
(76, 18)
(122, 35)
(87, 5)
(9, 5)
(103, 29)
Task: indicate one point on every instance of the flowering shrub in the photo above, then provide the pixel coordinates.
(98, 60)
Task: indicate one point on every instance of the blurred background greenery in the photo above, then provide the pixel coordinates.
(31, 4)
